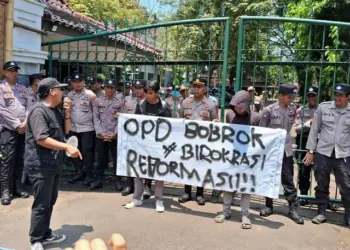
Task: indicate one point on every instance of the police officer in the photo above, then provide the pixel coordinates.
(125, 87)
(82, 127)
(95, 84)
(302, 126)
(281, 114)
(198, 107)
(130, 103)
(329, 137)
(173, 102)
(184, 90)
(34, 80)
(13, 102)
(106, 111)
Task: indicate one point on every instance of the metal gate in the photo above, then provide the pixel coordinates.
(168, 52)
(291, 50)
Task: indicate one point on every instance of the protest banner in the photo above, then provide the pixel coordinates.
(219, 156)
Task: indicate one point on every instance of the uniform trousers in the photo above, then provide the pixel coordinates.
(323, 169)
(11, 163)
(103, 149)
(86, 145)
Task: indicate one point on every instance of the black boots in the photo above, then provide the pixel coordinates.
(293, 214)
(320, 218)
(347, 219)
(129, 189)
(88, 179)
(97, 183)
(5, 195)
(268, 210)
(17, 190)
(79, 177)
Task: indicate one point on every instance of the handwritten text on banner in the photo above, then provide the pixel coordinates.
(214, 155)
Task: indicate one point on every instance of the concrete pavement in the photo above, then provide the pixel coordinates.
(80, 213)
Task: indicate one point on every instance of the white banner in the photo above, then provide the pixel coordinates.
(213, 155)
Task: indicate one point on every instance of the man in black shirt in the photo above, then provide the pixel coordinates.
(44, 158)
(153, 106)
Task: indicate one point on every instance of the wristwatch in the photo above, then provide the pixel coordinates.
(311, 151)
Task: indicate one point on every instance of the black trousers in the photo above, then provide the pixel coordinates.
(45, 191)
(148, 183)
(304, 171)
(188, 190)
(304, 178)
(323, 168)
(11, 163)
(290, 192)
(103, 149)
(86, 146)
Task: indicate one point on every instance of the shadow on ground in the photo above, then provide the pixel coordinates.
(176, 190)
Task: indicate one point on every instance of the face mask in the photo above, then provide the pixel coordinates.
(176, 93)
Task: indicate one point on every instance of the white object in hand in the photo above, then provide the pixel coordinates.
(73, 141)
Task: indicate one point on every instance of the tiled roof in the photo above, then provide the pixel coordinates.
(60, 12)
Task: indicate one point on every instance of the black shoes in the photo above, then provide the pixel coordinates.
(185, 198)
(127, 190)
(319, 219)
(79, 177)
(88, 180)
(265, 212)
(118, 186)
(5, 197)
(96, 184)
(147, 193)
(200, 200)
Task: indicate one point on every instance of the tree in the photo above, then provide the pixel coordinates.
(112, 11)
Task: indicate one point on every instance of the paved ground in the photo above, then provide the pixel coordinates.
(83, 214)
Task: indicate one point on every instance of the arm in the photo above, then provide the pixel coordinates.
(167, 111)
(298, 121)
(230, 115)
(41, 134)
(298, 124)
(214, 113)
(265, 118)
(315, 130)
(96, 118)
(6, 115)
(66, 121)
(52, 144)
(181, 110)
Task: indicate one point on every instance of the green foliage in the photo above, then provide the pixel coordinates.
(112, 11)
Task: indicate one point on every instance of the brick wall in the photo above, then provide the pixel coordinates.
(2, 34)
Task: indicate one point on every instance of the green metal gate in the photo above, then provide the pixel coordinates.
(171, 51)
(291, 50)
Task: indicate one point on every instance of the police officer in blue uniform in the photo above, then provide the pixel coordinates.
(13, 102)
(328, 146)
(281, 114)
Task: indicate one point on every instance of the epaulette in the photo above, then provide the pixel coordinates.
(325, 103)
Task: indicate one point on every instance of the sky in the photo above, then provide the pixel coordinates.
(154, 6)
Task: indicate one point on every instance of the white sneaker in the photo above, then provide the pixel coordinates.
(37, 246)
(160, 206)
(133, 203)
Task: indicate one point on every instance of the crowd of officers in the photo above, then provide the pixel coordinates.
(323, 130)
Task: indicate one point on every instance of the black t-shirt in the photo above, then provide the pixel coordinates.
(43, 122)
(153, 109)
